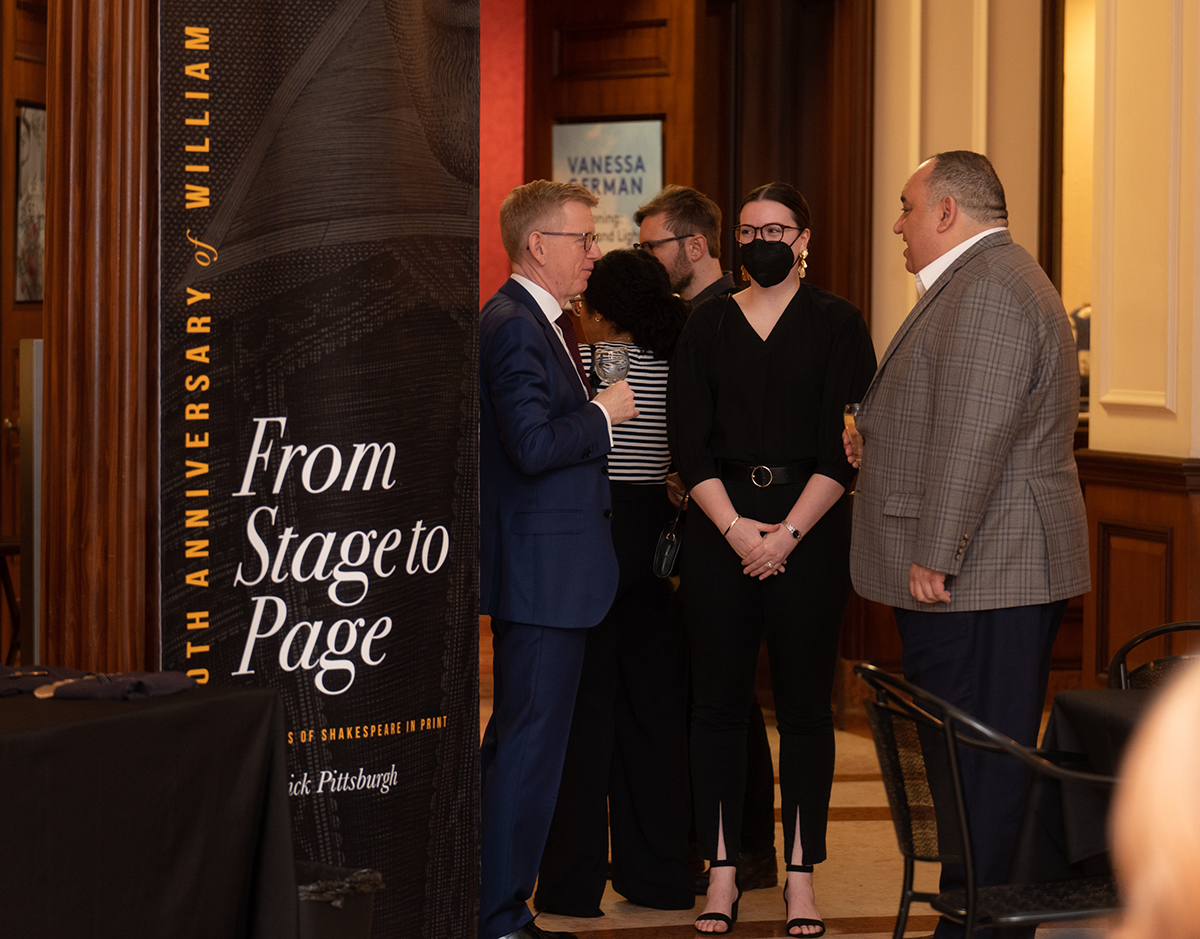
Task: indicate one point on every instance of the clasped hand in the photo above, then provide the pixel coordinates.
(763, 548)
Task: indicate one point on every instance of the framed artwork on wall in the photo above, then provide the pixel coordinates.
(31, 204)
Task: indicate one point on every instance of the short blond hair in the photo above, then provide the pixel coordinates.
(527, 208)
(1156, 819)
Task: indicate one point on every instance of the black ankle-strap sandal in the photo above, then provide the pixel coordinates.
(721, 917)
(800, 921)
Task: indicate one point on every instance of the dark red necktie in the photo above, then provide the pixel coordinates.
(568, 331)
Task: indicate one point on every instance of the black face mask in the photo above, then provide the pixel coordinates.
(768, 262)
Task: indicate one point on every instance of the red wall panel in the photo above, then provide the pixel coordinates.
(501, 128)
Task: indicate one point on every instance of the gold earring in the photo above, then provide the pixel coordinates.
(745, 275)
(803, 262)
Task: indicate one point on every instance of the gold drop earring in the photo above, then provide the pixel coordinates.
(803, 262)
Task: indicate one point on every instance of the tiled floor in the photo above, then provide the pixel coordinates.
(858, 888)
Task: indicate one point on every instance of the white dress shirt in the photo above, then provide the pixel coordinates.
(935, 268)
(549, 306)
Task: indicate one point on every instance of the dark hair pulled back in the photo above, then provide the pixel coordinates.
(786, 195)
(632, 290)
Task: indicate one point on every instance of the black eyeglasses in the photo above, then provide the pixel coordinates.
(746, 233)
(651, 245)
(589, 237)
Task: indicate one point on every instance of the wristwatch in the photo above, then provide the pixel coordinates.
(792, 528)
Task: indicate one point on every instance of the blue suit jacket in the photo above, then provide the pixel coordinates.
(545, 541)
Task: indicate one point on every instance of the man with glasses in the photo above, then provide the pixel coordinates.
(547, 569)
(682, 228)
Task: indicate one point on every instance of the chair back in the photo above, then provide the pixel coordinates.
(905, 744)
(1153, 673)
(917, 739)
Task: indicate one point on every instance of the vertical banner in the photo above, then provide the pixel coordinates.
(620, 162)
(319, 396)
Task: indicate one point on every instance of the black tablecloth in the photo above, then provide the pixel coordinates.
(161, 817)
(1065, 828)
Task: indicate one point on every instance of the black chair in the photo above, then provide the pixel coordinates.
(917, 736)
(1153, 673)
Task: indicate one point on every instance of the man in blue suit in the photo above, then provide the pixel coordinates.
(547, 569)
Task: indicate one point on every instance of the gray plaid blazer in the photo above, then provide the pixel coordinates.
(968, 429)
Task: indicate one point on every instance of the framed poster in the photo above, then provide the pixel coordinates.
(621, 162)
(31, 204)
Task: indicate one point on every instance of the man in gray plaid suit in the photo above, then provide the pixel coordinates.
(968, 517)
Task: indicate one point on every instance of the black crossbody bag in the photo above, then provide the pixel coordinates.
(666, 553)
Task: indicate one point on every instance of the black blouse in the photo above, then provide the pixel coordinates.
(735, 396)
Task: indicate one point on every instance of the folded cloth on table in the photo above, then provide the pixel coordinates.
(126, 685)
(73, 683)
(26, 679)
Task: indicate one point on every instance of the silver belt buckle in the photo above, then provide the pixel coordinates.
(754, 477)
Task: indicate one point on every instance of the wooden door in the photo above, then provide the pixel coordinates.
(633, 60)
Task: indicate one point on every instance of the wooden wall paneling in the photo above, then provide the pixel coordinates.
(1144, 525)
(715, 119)
(1135, 573)
(100, 483)
(29, 30)
(626, 50)
(29, 82)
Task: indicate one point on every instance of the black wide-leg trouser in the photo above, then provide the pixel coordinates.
(625, 779)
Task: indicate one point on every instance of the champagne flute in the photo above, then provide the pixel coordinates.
(850, 418)
(850, 415)
(611, 363)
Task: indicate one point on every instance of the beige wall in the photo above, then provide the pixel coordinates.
(1014, 88)
(950, 75)
(897, 152)
(1079, 94)
(1144, 228)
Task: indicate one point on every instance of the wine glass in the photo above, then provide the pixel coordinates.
(611, 363)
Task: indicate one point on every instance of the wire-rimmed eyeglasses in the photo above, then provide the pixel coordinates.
(773, 232)
(589, 237)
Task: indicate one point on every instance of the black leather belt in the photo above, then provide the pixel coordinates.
(762, 475)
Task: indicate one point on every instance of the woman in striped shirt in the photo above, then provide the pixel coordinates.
(626, 765)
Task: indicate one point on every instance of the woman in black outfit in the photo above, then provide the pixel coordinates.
(757, 388)
(626, 762)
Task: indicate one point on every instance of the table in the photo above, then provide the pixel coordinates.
(165, 817)
(1065, 827)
